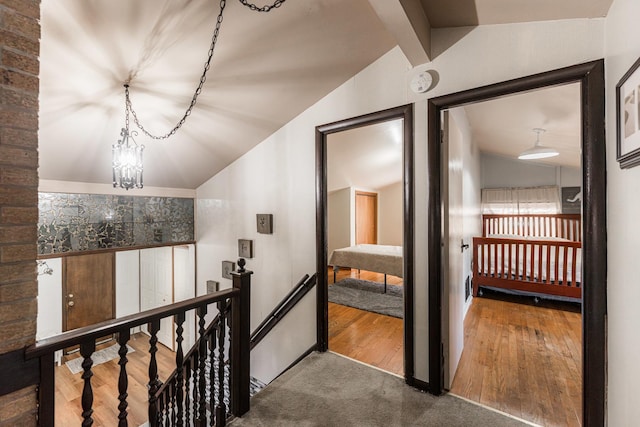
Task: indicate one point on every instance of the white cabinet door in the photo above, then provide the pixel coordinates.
(184, 286)
(156, 286)
(128, 284)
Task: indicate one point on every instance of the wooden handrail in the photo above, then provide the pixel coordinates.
(303, 286)
(76, 336)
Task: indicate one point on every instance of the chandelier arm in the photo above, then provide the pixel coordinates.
(266, 8)
(194, 99)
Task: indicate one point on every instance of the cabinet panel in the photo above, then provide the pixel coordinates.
(127, 283)
(156, 286)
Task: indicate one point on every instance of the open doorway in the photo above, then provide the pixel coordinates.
(364, 223)
(365, 238)
(518, 220)
(592, 287)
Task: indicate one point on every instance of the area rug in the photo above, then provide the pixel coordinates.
(99, 357)
(368, 296)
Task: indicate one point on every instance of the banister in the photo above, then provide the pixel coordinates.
(67, 339)
(288, 302)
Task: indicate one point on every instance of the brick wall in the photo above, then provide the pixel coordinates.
(19, 66)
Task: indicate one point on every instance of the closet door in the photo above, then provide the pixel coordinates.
(88, 290)
(156, 286)
(366, 218)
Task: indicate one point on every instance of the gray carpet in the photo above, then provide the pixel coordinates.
(329, 390)
(367, 295)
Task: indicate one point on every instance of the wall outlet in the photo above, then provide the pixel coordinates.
(212, 286)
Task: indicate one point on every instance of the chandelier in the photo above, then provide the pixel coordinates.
(126, 153)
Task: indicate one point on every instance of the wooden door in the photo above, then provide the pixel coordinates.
(87, 289)
(366, 218)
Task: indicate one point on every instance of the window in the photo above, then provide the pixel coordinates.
(532, 200)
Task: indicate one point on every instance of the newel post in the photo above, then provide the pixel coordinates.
(240, 336)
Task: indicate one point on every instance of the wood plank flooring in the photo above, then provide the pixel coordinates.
(104, 382)
(523, 359)
(370, 338)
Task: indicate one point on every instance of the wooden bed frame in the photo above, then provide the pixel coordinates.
(539, 254)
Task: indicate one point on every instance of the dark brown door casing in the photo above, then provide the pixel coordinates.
(404, 112)
(594, 232)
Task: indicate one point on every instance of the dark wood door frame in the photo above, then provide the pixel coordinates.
(594, 303)
(403, 112)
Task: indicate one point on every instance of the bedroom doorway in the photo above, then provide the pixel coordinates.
(364, 221)
(592, 282)
(515, 322)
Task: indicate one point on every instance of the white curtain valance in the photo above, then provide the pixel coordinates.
(531, 200)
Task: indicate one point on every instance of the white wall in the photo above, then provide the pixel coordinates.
(623, 210)
(278, 175)
(500, 171)
(339, 219)
(390, 215)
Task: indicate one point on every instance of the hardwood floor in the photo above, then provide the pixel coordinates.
(368, 337)
(105, 386)
(523, 359)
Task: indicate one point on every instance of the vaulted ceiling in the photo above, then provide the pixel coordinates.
(267, 68)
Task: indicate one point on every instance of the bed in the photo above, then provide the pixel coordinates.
(535, 254)
(378, 258)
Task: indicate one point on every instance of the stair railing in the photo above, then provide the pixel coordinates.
(303, 286)
(186, 397)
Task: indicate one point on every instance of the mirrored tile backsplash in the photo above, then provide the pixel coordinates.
(81, 222)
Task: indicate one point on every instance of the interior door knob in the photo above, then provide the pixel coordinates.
(71, 303)
(463, 246)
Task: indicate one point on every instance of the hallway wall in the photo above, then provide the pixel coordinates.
(278, 175)
(622, 35)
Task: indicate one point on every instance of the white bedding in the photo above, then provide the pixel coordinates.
(379, 258)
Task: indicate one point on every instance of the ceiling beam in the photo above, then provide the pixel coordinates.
(407, 21)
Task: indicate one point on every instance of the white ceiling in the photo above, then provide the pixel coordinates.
(504, 126)
(367, 158)
(267, 69)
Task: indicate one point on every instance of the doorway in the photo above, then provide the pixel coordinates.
(498, 339)
(405, 115)
(590, 76)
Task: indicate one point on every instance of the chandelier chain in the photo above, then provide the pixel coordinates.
(203, 77)
(194, 99)
(266, 8)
